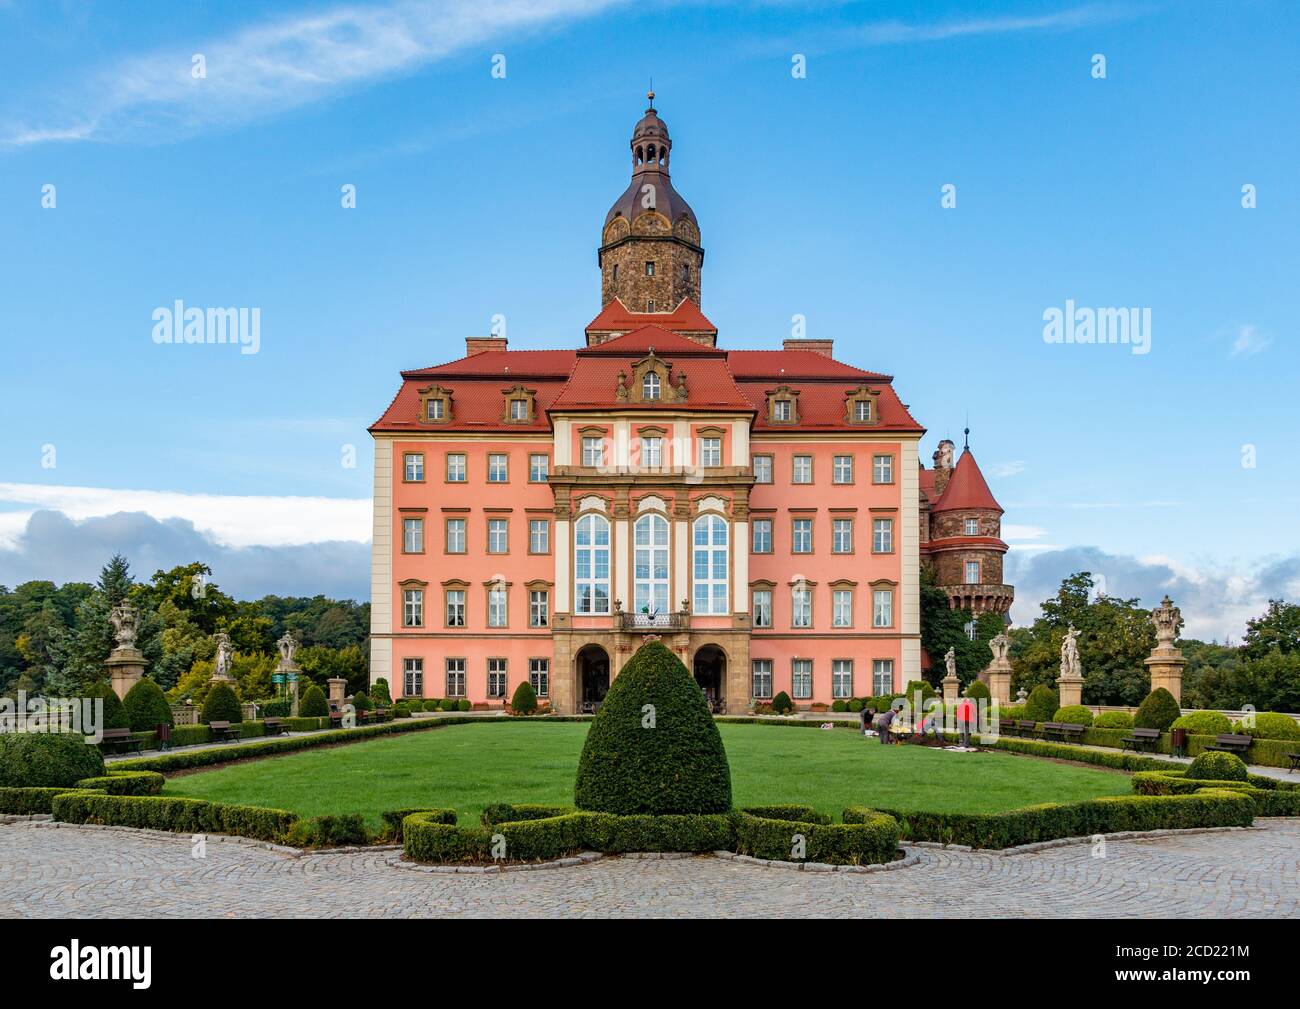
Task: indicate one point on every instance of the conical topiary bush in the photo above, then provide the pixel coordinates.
(653, 746)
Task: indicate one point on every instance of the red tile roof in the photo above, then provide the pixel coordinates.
(504, 364)
(790, 365)
(641, 340)
(966, 488)
(709, 385)
(686, 315)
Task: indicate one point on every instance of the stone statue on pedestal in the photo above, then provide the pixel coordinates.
(999, 644)
(125, 662)
(1167, 618)
(998, 674)
(1166, 662)
(126, 625)
(1069, 685)
(225, 656)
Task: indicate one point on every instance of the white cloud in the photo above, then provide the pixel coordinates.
(228, 520)
(886, 32)
(279, 64)
(1012, 467)
(1248, 340)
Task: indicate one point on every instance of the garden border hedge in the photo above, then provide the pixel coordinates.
(1271, 797)
(172, 813)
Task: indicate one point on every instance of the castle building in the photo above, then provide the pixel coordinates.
(539, 513)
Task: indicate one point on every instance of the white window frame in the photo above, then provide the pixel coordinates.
(842, 469)
(978, 574)
(708, 558)
(760, 678)
(801, 671)
(882, 608)
(761, 600)
(457, 467)
(498, 677)
(412, 535)
(413, 467)
(539, 536)
(539, 676)
(651, 386)
(412, 607)
(454, 608)
(539, 473)
(801, 471)
(862, 411)
(882, 469)
(710, 452)
(652, 452)
(762, 536)
(972, 527)
(763, 466)
(593, 450)
(591, 538)
(651, 555)
(801, 607)
(781, 409)
(413, 677)
(455, 678)
(498, 536)
(882, 536)
(841, 607)
(841, 536)
(882, 677)
(841, 678)
(539, 608)
(801, 536)
(498, 606)
(498, 467)
(457, 535)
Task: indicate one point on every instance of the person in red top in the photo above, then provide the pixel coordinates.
(965, 719)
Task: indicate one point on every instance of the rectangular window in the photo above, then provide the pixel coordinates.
(519, 409)
(762, 677)
(842, 538)
(593, 451)
(652, 453)
(413, 607)
(801, 536)
(498, 468)
(841, 677)
(539, 536)
(496, 678)
(801, 676)
(842, 608)
(455, 677)
(498, 541)
(972, 527)
(413, 536)
(456, 467)
(882, 536)
(455, 607)
(497, 611)
(539, 467)
(762, 536)
(455, 536)
(882, 608)
(862, 411)
(762, 608)
(762, 469)
(710, 451)
(539, 608)
(437, 409)
(539, 676)
(803, 472)
(972, 572)
(843, 469)
(882, 676)
(882, 469)
(413, 677)
(414, 467)
(801, 607)
(649, 268)
(782, 410)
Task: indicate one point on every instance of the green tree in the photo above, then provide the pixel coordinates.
(943, 627)
(146, 707)
(1277, 628)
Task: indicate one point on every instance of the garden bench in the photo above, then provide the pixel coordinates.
(275, 727)
(336, 719)
(120, 740)
(1063, 732)
(224, 731)
(1229, 742)
(1142, 739)
(1028, 729)
(1295, 761)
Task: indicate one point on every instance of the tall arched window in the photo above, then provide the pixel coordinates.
(650, 569)
(591, 565)
(650, 386)
(710, 565)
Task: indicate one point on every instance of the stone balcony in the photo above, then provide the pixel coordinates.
(984, 597)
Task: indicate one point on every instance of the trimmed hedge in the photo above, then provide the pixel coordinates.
(870, 838)
(524, 701)
(126, 783)
(221, 705)
(392, 830)
(512, 812)
(1157, 711)
(1113, 720)
(47, 759)
(313, 703)
(1118, 761)
(1041, 704)
(190, 735)
(183, 816)
(1271, 798)
(146, 707)
(1265, 752)
(328, 831)
(1074, 714)
(1271, 725)
(28, 801)
(1203, 723)
(1208, 807)
(1217, 766)
(788, 811)
(781, 704)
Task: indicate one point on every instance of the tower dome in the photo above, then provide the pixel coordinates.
(650, 254)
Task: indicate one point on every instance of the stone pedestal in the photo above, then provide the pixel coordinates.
(1166, 668)
(125, 668)
(338, 688)
(1070, 689)
(951, 688)
(998, 678)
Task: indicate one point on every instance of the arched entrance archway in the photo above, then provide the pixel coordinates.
(711, 675)
(593, 677)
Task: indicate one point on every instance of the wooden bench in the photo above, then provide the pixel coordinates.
(1295, 761)
(1027, 729)
(275, 727)
(119, 741)
(224, 731)
(1229, 742)
(1063, 732)
(336, 719)
(1141, 739)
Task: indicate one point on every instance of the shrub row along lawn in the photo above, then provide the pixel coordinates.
(467, 767)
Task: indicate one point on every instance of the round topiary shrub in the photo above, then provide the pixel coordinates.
(781, 704)
(221, 705)
(1211, 765)
(432, 704)
(1011, 712)
(146, 707)
(313, 703)
(463, 704)
(47, 759)
(524, 701)
(978, 689)
(1203, 723)
(361, 701)
(1271, 725)
(1042, 703)
(653, 747)
(379, 693)
(447, 704)
(913, 686)
(401, 710)
(1157, 711)
(856, 704)
(839, 705)
(114, 711)
(1073, 714)
(1113, 720)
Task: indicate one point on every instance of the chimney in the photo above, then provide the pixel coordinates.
(822, 347)
(942, 465)
(482, 344)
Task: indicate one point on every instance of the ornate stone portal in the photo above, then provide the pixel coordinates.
(1166, 662)
(125, 662)
(1069, 683)
(998, 674)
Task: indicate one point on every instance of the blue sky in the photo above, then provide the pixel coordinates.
(479, 195)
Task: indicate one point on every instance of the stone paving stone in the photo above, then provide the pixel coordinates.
(74, 872)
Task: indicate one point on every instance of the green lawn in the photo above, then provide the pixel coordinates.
(468, 766)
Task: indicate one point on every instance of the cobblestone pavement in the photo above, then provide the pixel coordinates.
(78, 872)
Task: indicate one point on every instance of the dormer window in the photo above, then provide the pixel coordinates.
(650, 386)
(519, 409)
(435, 405)
(519, 405)
(783, 406)
(781, 410)
(860, 406)
(862, 411)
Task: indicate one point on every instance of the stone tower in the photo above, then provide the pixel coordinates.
(650, 255)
